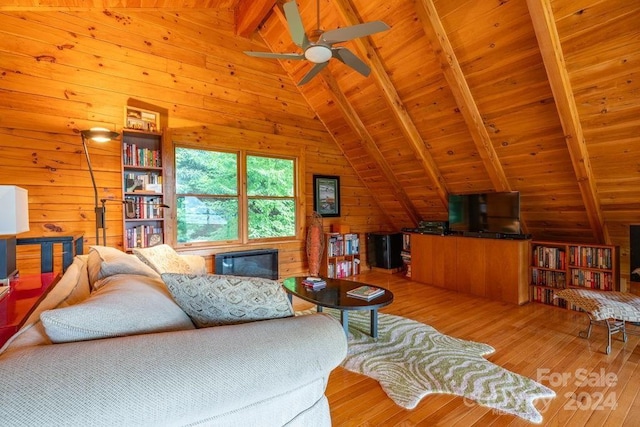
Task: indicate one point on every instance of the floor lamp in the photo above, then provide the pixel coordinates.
(97, 135)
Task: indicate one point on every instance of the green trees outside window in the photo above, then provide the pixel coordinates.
(210, 195)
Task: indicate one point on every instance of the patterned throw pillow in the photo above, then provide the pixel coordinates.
(163, 259)
(213, 300)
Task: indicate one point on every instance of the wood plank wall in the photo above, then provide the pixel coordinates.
(61, 72)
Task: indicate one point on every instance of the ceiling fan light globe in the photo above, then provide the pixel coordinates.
(318, 54)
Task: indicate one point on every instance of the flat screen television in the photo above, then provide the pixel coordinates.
(485, 212)
(254, 263)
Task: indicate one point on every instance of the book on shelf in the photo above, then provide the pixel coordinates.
(352, 244)
(136, 156)
(365, 292)
(406, 242)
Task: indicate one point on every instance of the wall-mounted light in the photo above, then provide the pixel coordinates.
(97, 135)
(14, 219)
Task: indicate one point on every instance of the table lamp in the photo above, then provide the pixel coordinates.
(14, 219)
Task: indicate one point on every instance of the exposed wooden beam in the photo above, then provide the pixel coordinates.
(250, 13)
(395, 104)
(553, 58)
(454, 76)
(356, 124)
(440, 44)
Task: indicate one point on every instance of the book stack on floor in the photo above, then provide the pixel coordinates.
(366, 292)
(314, 283)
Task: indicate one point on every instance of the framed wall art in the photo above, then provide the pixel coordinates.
(326, 195)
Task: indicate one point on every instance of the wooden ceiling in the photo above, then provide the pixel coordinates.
(536, 96)
(466, 96)
(470, 96)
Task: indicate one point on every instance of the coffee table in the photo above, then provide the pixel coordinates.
(334, 295)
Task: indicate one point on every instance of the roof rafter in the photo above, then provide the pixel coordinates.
(394, 102)
(356, 124)
(551, 50)
(454, 76)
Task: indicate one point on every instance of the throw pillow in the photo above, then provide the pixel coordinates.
(212, 300)
(104, 261)
(163, 259)
(124, 305)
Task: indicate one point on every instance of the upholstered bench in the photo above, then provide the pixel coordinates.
(611, 309)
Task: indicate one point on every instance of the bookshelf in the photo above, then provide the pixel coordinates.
(142, 188)
(560, 265)
(406, 254)
(341, 257)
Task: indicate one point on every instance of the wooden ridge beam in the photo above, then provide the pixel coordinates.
(359, 128)
(551, 50)
(394, 102)
(249, 14)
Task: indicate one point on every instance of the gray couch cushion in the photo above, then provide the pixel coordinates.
(124, 305)
(105, 261)
(72, 288)
(212, 300)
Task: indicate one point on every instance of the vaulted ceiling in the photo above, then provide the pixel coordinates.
(536, 96)
(467, 96)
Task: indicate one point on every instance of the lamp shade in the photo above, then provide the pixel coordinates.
(99, 134)
(14, 210)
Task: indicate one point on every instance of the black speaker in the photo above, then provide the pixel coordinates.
(384, 250)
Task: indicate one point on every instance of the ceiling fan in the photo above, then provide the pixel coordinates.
(321, 50)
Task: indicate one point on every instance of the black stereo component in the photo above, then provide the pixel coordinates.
(434, 227)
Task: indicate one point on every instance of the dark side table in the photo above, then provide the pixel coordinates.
(24, 295)
(334, 295)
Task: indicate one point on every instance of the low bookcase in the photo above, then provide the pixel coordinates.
(341, 257)
(560, 265)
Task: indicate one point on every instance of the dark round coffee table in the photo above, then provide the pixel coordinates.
(334, 295)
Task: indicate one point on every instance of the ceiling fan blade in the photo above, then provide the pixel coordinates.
(347, 57)
(353, 32)
(311, 74)
(275, 55)
(296, 27)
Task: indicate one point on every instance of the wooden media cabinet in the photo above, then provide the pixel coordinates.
(490, 268)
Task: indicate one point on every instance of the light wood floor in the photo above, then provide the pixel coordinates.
(534, 340)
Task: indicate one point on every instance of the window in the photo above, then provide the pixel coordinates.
(271, 201)
(214, 206)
